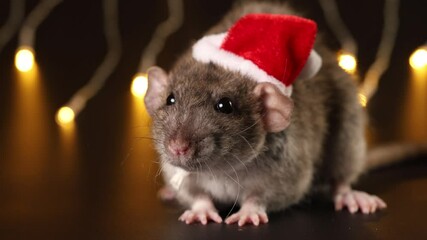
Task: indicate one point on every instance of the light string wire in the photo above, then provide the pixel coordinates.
(382, 61)
(110, 62)
(162, 32)
(16, 14)
(33, 20)
(385, 49)
(338, 27)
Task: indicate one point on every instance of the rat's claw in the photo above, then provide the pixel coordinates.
(255, 219)
(355, 200)
(214, 216)
(338, 202)
(350, 202)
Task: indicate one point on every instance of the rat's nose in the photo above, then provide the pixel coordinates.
(179, 146)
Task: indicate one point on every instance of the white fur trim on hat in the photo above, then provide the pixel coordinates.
(208, 50)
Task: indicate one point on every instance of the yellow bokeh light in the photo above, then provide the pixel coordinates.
(139, 85)
(347, 62)
(418, 59)
(65, 115)
(363, 99)
(24, 59)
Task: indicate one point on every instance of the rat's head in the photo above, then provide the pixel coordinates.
(207, 118)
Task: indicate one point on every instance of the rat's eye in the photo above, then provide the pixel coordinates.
(170, 100)
(224, 105)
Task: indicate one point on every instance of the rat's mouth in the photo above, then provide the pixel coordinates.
(191, 163)
(186, 167)
(190, 154)
(188, 163)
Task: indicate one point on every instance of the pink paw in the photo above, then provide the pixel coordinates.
(249, 213)
(202, 211)
(357, 200)
(166, 193)
(201, 215)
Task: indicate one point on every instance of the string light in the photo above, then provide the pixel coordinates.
(8, 30)
(347, 62)
(139, 85)
(78, 100)
(346, 58)
(156, 44)
(162, 32)
(385, 49)
(25, 56)
(418, 59)
(65, 115)
(24, 59)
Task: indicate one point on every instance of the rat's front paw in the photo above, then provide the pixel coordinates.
(166, 194)
(357, 200)
(201, 211)
(201, 215)
(249, 213)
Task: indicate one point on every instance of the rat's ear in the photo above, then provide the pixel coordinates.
(158, 83)
(277, 107)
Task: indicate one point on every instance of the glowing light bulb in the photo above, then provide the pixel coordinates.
(24, 59)
(139, 85)
(418, 59)
(65, 115)
(347, 62)
(363, 99)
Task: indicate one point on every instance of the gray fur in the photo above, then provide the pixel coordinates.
(235, 158)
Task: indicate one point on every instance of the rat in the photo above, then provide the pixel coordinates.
(224, 138)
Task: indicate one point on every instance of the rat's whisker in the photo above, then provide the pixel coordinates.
(253, 150)
(157, 162)
(238, 189)
(251, 126)
(147, 138)
(136, 127)
(237, 181)
(244, 165)
(198, 169)
(250, 146)
(212, 173)
(159, 171)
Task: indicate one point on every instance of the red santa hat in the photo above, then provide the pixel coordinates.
(266, 47)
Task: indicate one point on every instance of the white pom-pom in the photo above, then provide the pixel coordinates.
(312, 66)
